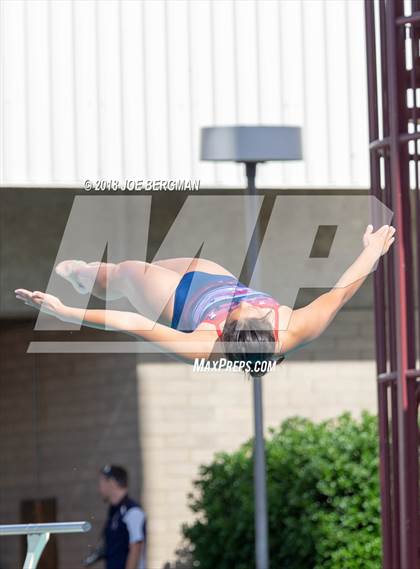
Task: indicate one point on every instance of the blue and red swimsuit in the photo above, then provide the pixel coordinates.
(204, 297)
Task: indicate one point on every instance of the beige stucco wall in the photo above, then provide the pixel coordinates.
(185, 417)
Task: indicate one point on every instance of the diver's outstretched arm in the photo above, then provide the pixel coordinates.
(187, 345)
(308, 323)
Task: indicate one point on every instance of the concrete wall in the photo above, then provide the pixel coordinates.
(185, 417)
(62, 417)
(33, 221)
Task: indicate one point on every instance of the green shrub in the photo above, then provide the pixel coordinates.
(323, 494)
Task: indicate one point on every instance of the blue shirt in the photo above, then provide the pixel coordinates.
(126, 524)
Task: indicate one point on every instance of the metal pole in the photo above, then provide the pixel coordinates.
(260, 482)
(38, 536)
(59, 527)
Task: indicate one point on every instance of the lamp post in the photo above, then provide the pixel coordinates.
(250, 145)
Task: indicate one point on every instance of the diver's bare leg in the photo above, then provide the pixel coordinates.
(144, 284)
(182, 265)
(82, 275)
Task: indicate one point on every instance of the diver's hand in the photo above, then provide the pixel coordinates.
(379, 241)
(42, 301)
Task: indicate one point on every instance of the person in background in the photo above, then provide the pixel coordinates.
(124, 534)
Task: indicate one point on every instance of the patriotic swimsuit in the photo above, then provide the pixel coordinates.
(204, 297)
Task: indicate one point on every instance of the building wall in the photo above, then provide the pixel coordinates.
(185, 417)
(28, 258)
(62, 417)
(119, 89)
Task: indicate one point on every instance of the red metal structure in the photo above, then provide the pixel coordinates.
(393, 61)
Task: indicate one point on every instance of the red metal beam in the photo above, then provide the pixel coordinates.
(412, 19)
(379, 299)
(397, 338)
(407, 522)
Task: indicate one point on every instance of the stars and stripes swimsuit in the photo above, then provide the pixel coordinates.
(204, 297)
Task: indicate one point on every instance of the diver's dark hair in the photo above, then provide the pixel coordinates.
(250, 340)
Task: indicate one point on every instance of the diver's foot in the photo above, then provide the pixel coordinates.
(81, 275)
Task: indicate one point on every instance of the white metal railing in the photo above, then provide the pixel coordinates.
(38, 536)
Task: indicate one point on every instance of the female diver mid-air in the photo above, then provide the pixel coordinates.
(208, 308)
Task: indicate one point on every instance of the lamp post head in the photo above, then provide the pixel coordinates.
(251, 143)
